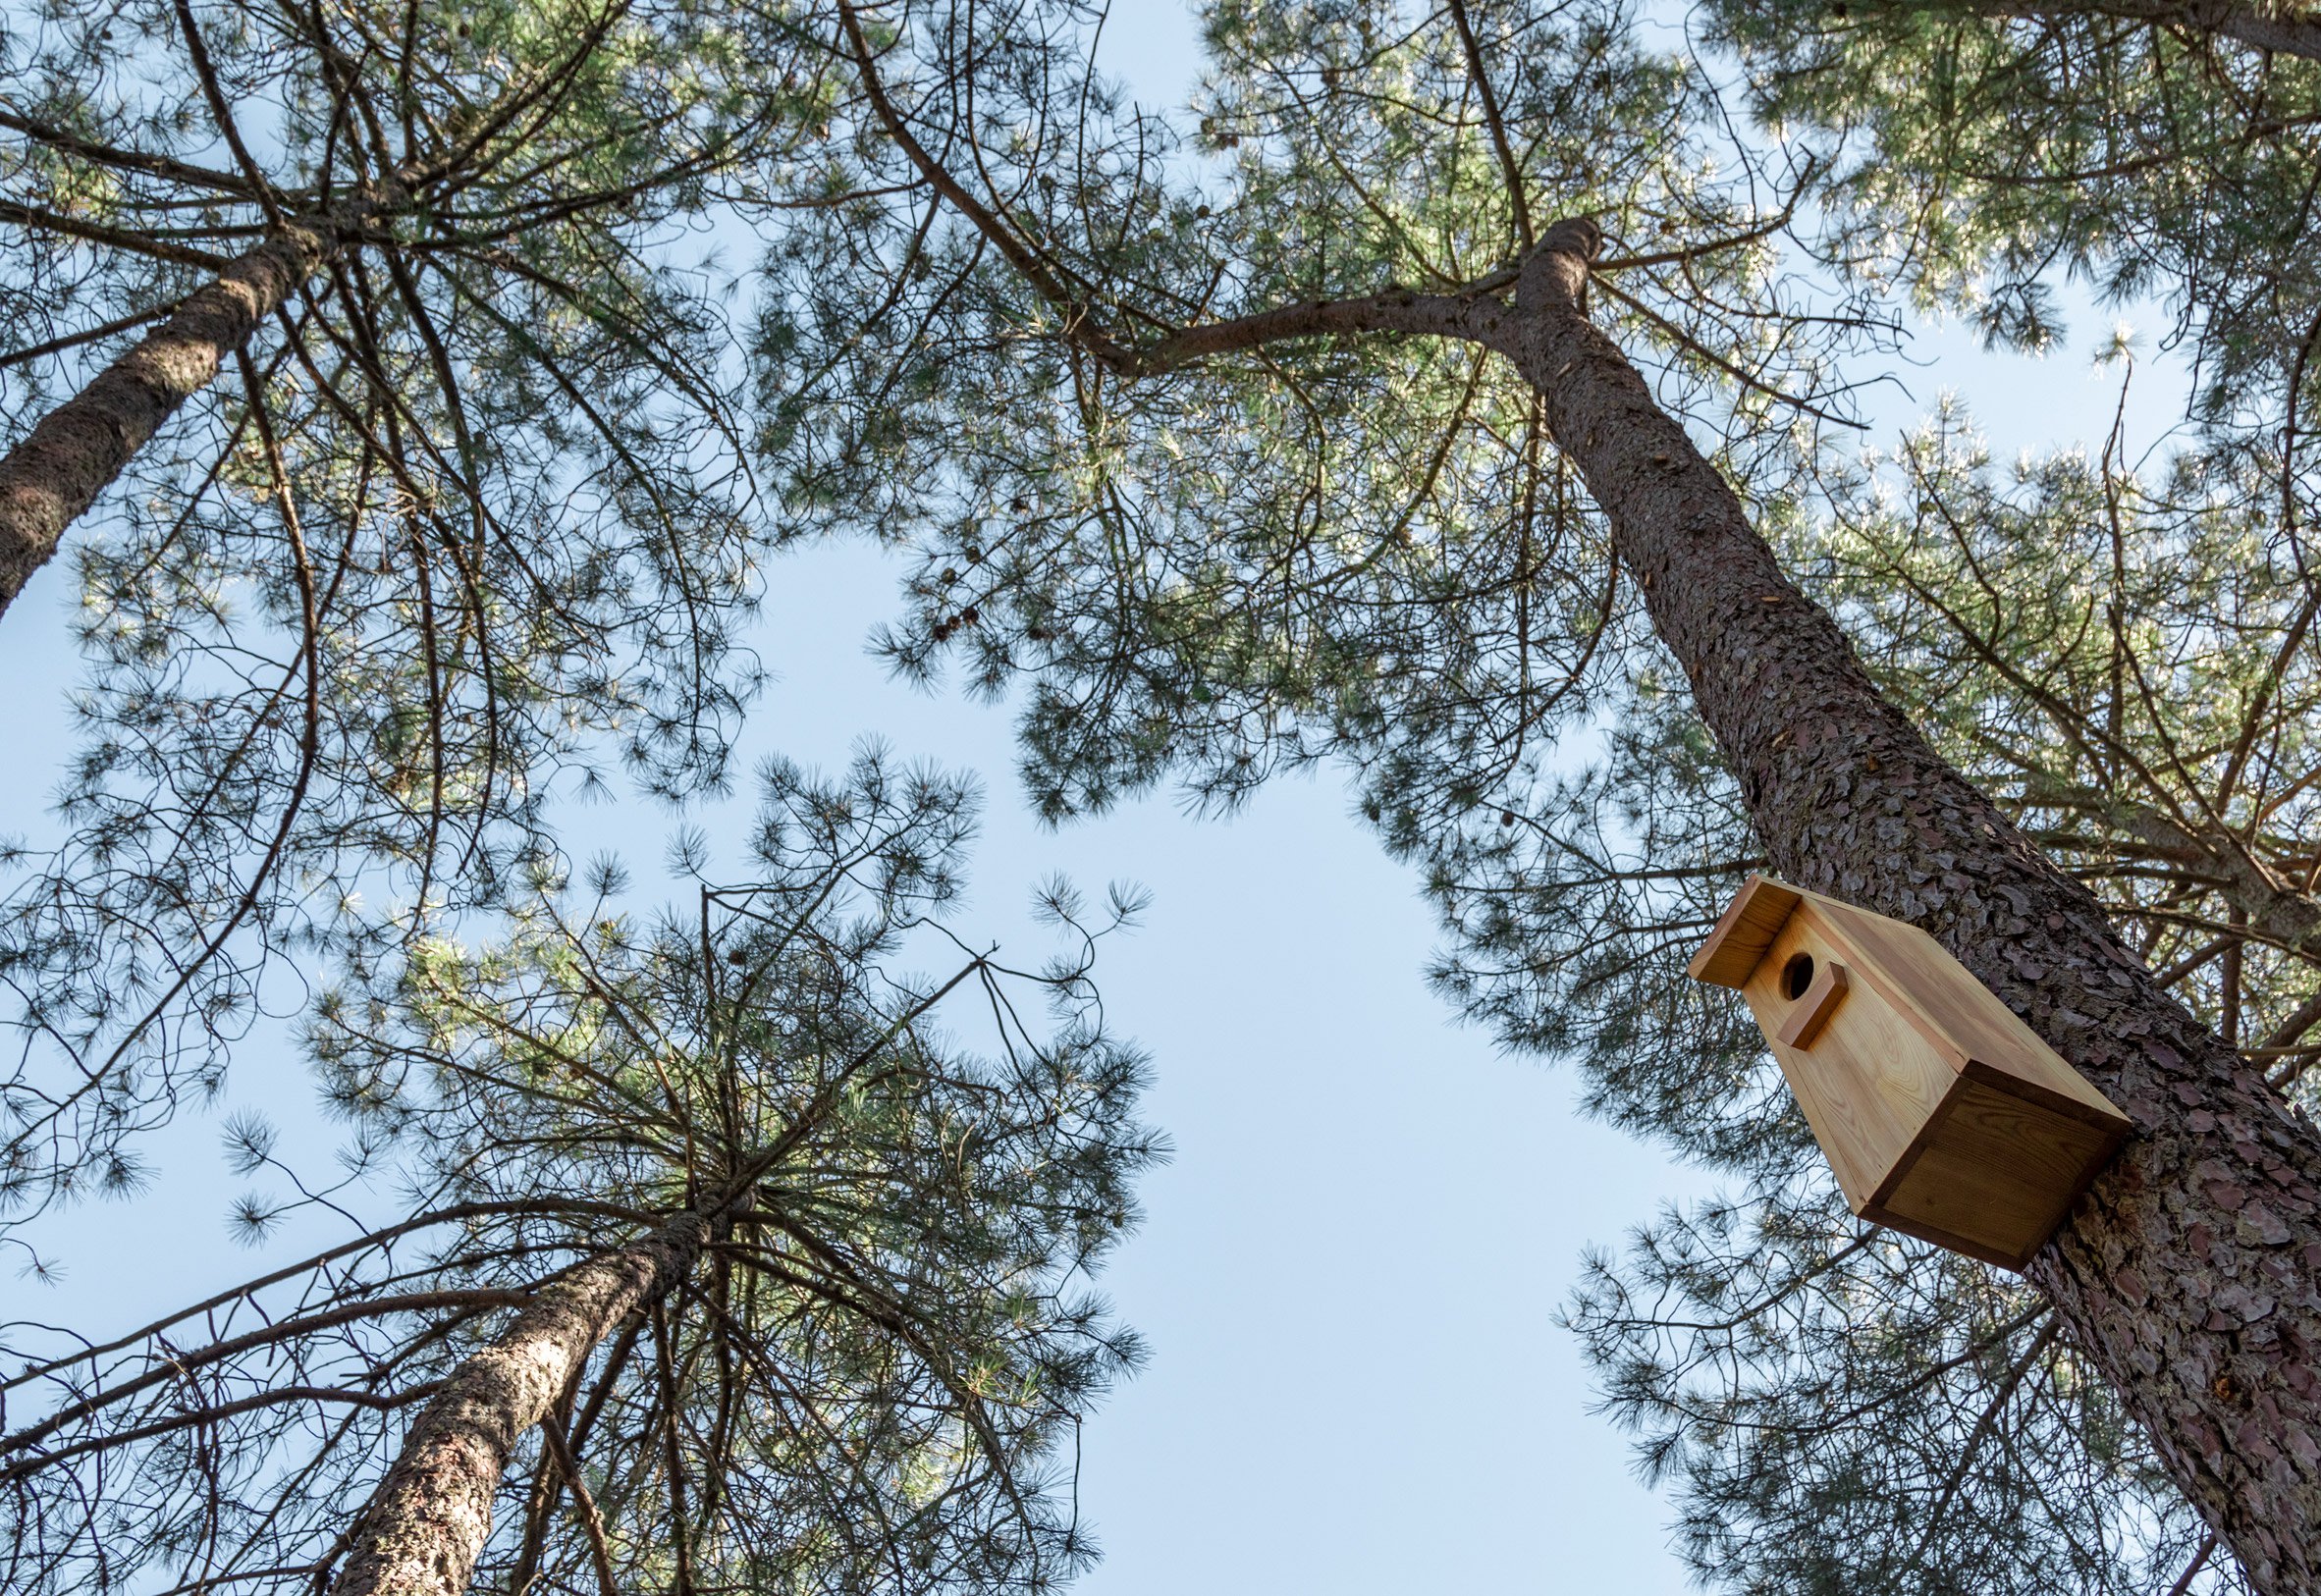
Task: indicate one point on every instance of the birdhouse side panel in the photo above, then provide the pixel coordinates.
(1868, 1082)
(1948, 1001)
(1994, 1174)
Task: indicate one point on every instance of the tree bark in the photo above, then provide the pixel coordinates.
(2283, 30)
(2284, 915)
(2191, 1274)
(424, 1528)
(78, 447)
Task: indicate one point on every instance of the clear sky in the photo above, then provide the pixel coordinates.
(1348, 1274)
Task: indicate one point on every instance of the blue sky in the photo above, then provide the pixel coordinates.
(1348, 1274)
(1348, 1271)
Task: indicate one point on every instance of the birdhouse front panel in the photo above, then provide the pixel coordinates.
(1866, 1080)
(1941, 1113)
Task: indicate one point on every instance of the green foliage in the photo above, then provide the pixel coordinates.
(468, 525)
(871, 1381)
(1987, 155)
(1306, 548)
(1210, 567)
(1322, 547)
(1838, 1410)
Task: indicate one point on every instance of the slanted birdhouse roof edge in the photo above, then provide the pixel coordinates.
(1744, 932)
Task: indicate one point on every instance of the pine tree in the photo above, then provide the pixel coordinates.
(728, 1266)
(435, 497)
(1332, 457)
(1808, 1391)
(407, 172)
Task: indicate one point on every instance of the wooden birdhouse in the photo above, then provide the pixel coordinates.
(1943, 1114)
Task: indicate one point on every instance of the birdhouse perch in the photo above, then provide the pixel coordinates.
(1942, 1113)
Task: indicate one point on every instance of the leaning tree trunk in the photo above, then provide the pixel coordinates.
(78, 447)
(2191, 1274)
(424, 1528)
(2283, 29)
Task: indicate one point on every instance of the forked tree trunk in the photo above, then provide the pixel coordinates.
(424, 1528)
(78, 447)
(2191, 1275)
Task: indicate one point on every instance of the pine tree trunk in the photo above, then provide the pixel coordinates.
(2286, 916)
(78, 448)
(424, 1528)
(2191, 1275)
(2283, 29)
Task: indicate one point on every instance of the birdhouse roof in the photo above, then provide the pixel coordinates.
(1914, 975)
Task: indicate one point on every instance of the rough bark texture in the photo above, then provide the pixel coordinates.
(2191, 1275)
(78, 447)
(2288, 917)
(424, 1528)
(2283, 30)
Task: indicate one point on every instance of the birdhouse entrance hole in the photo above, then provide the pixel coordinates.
(1942, 1114)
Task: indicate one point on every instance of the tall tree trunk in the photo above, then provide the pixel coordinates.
(78, 447)
(2282, 30)
(424, 1528)
(2191, 1275)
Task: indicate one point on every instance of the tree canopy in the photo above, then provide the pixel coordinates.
(1464, 395)
(1150, 477)
(863, 1376)
(465, 514)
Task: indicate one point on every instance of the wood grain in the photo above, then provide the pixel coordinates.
(1958, 1012)
(1942, 1114)
(1996, 1176)
(1744, 932)
(1867, 1085)
(1813, 1009)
